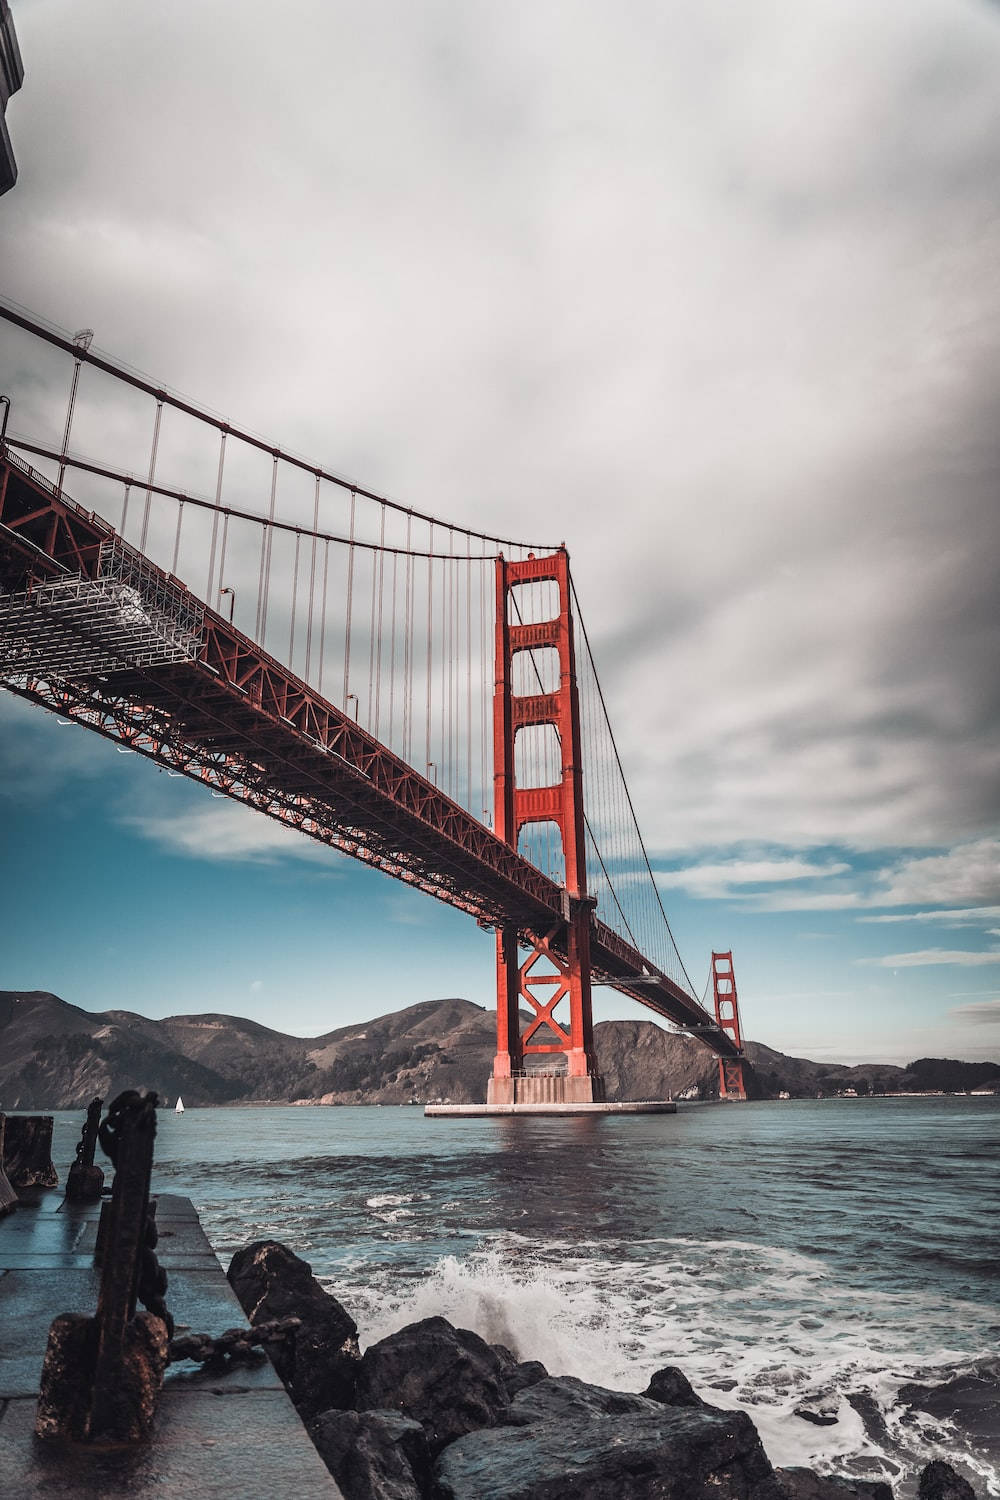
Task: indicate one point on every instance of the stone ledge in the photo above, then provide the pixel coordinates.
(474, 1111)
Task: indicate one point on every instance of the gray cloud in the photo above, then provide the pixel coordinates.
(982, 1013)
(711, 294)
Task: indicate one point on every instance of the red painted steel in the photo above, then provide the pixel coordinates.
(558, 964)
(238, 721)
(732, 1084)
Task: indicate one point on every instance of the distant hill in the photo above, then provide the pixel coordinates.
(56, 1056)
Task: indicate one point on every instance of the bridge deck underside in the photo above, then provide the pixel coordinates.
(238, 721)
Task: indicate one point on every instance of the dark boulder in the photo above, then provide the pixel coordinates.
(640, 1450)
(672, 1388)
(528, 1373)
(559, 1397)
(320, 1361)
(822, 1408)
(967, 1402)
(806, 1484)
(448, 1379)
(940, 1482)
(373, 1455)
(517, 1374)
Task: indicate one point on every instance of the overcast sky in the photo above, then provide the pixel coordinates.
(710, 291)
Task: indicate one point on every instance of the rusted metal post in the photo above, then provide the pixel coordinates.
(86, 1181)
(102, 1375)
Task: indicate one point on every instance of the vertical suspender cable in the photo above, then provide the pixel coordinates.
(222, 554)
(371, 643)
(177, 539)
(295, 595)
(215, 518)
(350, 605)
(442, 751)
(392, 653)
(381, 597)
(408, 643)
(125, 500)
(469, 801)
(312, 582)
(322, 632)
(265, 558)
(430, 636)
(270, 544)
(152, 472)
(486, 655)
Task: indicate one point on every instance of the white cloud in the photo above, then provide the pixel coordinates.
(968, 873)
(932, 956)
(776, 901)
(716, 881)
(973, 916)
(224, 830)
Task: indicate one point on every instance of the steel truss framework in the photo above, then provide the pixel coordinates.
(235, 719)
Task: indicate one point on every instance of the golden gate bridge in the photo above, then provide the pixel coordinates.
(416, 693)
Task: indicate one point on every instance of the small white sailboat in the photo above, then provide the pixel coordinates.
(179, 1106)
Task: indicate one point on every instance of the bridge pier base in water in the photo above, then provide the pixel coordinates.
(545, 1088)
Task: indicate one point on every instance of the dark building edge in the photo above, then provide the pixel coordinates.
(11, 78)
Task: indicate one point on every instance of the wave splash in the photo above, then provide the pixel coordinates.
(789, 1338)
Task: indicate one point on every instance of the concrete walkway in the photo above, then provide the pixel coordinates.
(234, 1436)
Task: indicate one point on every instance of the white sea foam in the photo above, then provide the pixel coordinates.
(770, 1320)
(394, 1200)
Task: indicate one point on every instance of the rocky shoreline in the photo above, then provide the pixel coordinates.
(433, 1412)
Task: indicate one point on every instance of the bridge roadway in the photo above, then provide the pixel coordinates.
(229, 715)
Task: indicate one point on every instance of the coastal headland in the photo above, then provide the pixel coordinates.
(54, 1055)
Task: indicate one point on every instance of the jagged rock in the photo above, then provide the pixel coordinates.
(319, 1363)
(940, 1482)
(373, 1455)
(525, 1374)
(641, 1450)
(27, 1151)
(806, 1484)
(69, 1406)
(558, 1397)
(672, 1388)
(817, 1418)
(448, 1379)
(870, 1413)
(968, 1400)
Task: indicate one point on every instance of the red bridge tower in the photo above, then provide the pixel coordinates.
(545, 978)
(727, 1013)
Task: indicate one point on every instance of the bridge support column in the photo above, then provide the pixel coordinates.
(732, 1084)
(557, 965)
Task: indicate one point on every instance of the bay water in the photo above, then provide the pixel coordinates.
(810, 1254)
